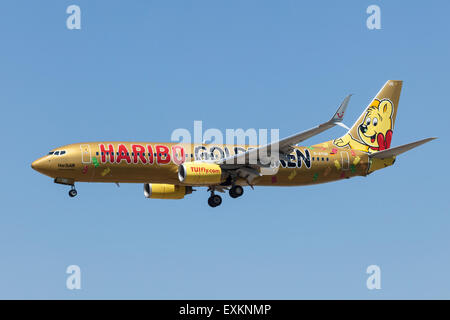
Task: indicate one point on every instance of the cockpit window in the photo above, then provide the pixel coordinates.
(57, 153)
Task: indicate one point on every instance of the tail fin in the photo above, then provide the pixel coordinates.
(373, 130)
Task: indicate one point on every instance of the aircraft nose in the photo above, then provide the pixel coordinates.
(39, 164)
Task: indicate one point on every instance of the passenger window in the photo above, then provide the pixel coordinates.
(322, 159)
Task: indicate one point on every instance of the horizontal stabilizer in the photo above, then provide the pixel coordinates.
(398, 150)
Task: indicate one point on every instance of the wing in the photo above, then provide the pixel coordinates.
(262, 156)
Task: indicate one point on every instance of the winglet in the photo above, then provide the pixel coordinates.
(399, 150)
(339, 115)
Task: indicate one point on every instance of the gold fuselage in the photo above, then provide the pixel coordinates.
(144, 162)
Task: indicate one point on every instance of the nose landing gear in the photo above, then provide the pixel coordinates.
(72, 192)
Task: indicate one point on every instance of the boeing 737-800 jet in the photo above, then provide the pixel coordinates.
(171, 170)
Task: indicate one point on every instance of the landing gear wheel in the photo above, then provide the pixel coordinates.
(72, 193)
(236, 191)
(215, 200)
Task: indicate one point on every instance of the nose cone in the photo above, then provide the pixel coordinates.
(40, 165)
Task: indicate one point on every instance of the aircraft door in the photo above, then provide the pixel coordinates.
(88, 169)
(345, 158)
(85, 153)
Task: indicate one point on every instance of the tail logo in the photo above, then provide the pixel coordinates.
(375, 130)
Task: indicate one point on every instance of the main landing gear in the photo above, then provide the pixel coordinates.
(72, 192)
(236, 191)
(214, 200)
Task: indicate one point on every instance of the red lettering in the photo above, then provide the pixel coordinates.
(178, 156)
(150, 154)
(123, 154)
(162, 154)
(138, 149)
(103, 153)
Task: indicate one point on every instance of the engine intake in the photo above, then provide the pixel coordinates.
(165, 191)
(200, 173)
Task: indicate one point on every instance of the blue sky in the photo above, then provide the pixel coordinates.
(138, 70)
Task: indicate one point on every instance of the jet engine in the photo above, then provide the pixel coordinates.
(200, 173)
(165, 191)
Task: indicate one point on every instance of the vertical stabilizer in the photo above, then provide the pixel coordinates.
(373, 130)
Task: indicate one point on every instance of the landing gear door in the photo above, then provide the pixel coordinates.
(85, 153)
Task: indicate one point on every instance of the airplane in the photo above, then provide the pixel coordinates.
(173, 170)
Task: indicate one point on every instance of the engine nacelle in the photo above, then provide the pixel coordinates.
(165, 191)
(200, 173)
